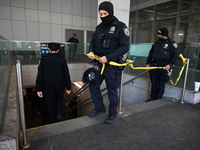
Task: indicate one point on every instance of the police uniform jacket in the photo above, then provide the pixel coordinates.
(163, 52)
(111, 41)
(53, 73)
(73, 40)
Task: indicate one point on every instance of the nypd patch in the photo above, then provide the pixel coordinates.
(126, 32)
(175, 45)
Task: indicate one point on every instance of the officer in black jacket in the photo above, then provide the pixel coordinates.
(52, 79)
(110, 41)
(164, 53)
(72, 47)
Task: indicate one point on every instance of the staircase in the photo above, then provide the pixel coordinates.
(156, 125)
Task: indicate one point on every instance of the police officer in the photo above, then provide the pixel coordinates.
(73, 46)
(164, 53)
(110, 41)
(52, 79)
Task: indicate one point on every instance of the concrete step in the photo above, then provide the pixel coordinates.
(42, 132)
(157, 125)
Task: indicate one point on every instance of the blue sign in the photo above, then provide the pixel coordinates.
(43, 51)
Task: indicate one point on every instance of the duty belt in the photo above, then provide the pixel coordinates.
(115, 67)
(159, 64)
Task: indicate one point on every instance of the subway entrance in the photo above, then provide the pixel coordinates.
(36, 110)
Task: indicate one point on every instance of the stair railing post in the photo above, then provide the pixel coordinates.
(21, 104)
(120, 94)
(185, 80)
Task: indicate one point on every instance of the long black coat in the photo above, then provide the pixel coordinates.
(53, 73)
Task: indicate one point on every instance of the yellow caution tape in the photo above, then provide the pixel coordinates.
(20, 137)
(130, 63)
(184, 60)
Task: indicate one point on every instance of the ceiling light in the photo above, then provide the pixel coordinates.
(77, 84)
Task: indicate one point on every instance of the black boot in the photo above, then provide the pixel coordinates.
(59, 117)
(110, 119)
(149, 100)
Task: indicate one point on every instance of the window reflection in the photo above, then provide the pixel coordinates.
(146, 14)
(193, 31)
(183, 28)
(170, 24)
(132, 17)
(144, 32)
(190, 6)
(188, 29)
(167, 9)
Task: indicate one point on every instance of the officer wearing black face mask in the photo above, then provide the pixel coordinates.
(164, 53)
(110, 41)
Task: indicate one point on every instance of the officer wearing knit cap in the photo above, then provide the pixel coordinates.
(164, 53)
(72, 47)
(163, 31)
(110, 42)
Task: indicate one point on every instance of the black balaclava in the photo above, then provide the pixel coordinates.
(107, 6)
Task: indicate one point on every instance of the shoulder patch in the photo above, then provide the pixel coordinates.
(126, 32)
(175, 45)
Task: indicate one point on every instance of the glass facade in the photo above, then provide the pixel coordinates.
(144, 32)
(139, 53)
(181, 17)
(169, 23)
(168, 9)
(5, 66)
(189, 6)
(146, 14)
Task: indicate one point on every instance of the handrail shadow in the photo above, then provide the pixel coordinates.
(88, 100)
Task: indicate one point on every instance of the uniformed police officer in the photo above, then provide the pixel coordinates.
(110, 41)
(164, 53)
(72, 47)
(52, 79)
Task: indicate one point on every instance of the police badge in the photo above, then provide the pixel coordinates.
(165, 46)
(112, 29)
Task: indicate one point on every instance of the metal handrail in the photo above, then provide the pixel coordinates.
(106, 92)
(81, 90)
(77, 92)
(184, 85)
(26, 144)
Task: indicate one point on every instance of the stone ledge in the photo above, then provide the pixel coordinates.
(10, 127)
